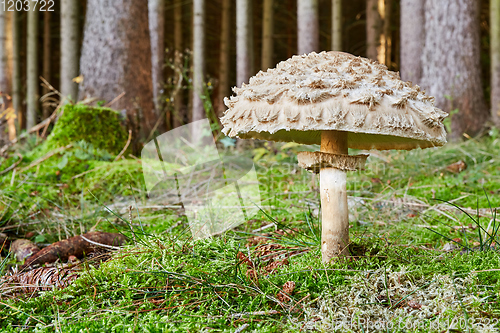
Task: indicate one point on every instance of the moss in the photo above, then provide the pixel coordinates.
(97, 125)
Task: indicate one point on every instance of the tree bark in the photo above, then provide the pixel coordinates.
(6, 71)
(267, 35)
(307, 26)
(387, 32)
(198, 59)
(451, 63)
(224, 89)
(375, 43)
(336, 25)
(5, 51)
(412, 39)
(69, 48)
(495, 60)
(16, 69)
(116, 58)
(32, 69)
(157, 34)
(46, 72)
(179, 108)
(242, 42)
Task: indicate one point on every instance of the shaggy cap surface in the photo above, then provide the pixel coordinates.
(307, 94)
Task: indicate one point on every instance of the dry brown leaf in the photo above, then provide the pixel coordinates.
(457, 167)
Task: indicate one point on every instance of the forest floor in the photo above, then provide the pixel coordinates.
(423, 232)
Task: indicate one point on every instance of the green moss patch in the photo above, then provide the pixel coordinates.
(97, 125)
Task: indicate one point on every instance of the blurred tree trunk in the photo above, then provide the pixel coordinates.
(495, 60)
(16, 69)
(242, 42)
(307, 26)
(412, 39)
(120, 62)
(69, 48)
(179, 108)
(387, 32)
(375, 44)
(336, 25)
(6, 73)
(46, 72)
(251, 44)
(267, 35)
(224, 89)
(451, 65)
(5, 51)
(198, 62)
(32, 81)
(157, 34)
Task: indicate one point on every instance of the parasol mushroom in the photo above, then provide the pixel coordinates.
(339, 101)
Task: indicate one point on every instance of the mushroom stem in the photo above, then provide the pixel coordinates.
(334, 211)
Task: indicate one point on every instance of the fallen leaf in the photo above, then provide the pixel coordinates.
(457, 167)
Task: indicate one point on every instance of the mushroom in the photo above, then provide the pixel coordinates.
(339, 101)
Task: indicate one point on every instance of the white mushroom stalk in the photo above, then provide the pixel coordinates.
(334, 210)
(339, 101)
(332, 162)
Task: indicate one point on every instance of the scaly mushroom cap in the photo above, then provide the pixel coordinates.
(334, 91)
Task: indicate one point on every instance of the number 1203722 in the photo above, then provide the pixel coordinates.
(27, 5)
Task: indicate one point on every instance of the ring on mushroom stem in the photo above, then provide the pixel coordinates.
(339, 101)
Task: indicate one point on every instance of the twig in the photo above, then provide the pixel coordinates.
(18, 310)
(114, 100)
(25, 134)
(13, 165)
(304, 298)
(99, 244)
(126, 146)
(256, 313)
(52, 116)
(49, 155)
(50, 87)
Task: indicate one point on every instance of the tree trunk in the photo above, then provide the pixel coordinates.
(46, 72)
(179, 108)
(157, 35)
(451, 63)
(267, 35)
(387, 33)
(412, 39)
(336, 25)
(307, 26)
(375, 43)
(69, 48)
(242, 42)
(5, 51)
(32, 69)
(224, 89)
(6, 70)
(495, 60)
(198, 59)
(116, 59)
(16, 68)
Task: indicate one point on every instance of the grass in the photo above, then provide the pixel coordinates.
(404, 208)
